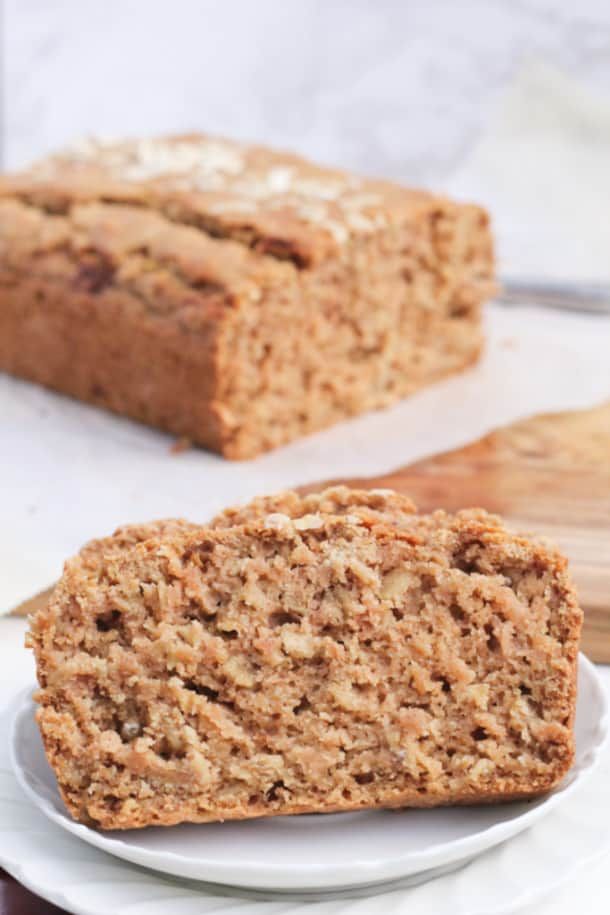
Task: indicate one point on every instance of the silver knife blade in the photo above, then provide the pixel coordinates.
(572, 296)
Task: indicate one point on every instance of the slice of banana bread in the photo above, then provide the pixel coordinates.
(231, 294)
(325, 653)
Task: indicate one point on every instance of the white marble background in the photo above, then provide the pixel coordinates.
(398, 88)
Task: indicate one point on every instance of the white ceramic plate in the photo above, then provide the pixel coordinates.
(85, 881)
(314, 853)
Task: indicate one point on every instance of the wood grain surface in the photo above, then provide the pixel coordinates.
(549, 475)
(16, 900)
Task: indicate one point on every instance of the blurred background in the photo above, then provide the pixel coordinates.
(403, 87)
(494, 99)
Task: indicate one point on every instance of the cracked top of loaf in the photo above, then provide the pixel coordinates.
(274, 201)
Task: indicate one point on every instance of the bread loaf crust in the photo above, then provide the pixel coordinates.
(233, 295)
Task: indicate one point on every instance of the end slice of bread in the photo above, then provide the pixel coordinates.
(306, 654)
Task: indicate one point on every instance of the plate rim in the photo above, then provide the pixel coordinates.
(253, 905)
(319, 876)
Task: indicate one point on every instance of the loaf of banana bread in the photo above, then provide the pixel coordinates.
(332, 652)
(229, 294)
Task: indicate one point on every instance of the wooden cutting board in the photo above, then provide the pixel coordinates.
(549, 475)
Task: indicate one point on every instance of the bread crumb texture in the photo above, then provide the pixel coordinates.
(323, 653)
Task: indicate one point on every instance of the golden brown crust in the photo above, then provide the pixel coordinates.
(369, 504)
(341, 653)
(275, 201)
(235, 296)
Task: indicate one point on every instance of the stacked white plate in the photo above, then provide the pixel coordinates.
(455, 860)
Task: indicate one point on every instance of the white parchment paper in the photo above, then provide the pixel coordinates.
(69, 472)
